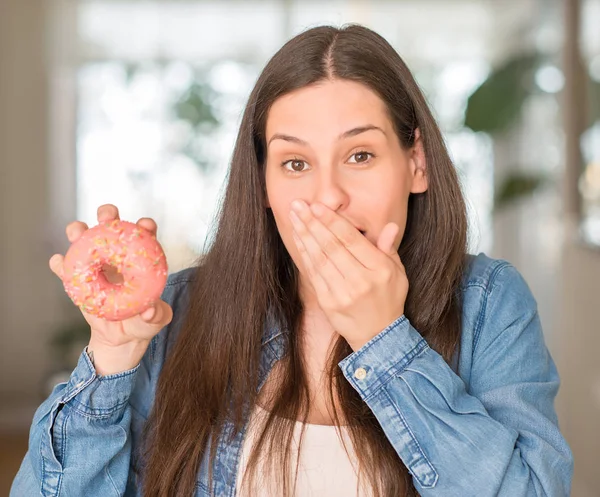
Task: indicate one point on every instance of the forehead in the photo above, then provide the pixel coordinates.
(335, 105)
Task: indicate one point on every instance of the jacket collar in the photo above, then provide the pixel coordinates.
(272, 328)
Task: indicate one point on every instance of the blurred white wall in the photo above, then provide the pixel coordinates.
(577, 356)
(29, 293)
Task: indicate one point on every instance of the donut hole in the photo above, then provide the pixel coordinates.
(112, 275)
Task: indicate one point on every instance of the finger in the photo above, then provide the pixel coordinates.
(148, 224)
(158, 314)
(361, 248)
(316, 280)
(56, 265)
(321, 264)
(389, 240)
(107, 212)
(74, 230)
(325, 248)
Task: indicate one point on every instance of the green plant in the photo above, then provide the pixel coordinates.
(496, 104)
(516, 186)
(196, 107)
(494, 107)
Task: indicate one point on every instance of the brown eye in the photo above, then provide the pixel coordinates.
(361, 157)
(296, 165)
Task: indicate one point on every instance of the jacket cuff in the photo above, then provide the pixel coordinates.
(94, 395)
(384, 356)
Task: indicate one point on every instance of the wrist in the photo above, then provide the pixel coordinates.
(113, 359)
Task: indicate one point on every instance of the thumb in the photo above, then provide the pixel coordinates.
(388, 240)
(158, 314)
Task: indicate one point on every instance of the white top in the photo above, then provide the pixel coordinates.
(325, 469)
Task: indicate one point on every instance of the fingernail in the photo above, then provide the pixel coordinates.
(298, 205)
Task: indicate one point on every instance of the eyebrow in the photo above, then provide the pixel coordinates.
(346, 134)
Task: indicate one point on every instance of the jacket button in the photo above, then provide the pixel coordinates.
(360, 373)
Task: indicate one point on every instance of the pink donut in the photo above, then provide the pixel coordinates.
(133, 251)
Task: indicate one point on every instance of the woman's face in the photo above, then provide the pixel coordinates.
(334, 143)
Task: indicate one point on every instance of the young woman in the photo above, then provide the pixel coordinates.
(336, 339)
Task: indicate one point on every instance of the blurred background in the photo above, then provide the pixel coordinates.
(137, 103)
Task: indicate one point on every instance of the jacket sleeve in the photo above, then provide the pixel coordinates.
(499, 435)
(79, 441)
(83, 437)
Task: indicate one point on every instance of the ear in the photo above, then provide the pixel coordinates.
(418, 165)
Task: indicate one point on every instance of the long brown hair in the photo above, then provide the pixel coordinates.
(212, 372)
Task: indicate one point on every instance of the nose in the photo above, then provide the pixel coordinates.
(330, 191)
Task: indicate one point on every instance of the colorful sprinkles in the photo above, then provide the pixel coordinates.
(133, 252)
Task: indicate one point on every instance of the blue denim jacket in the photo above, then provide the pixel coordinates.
(491, 430)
